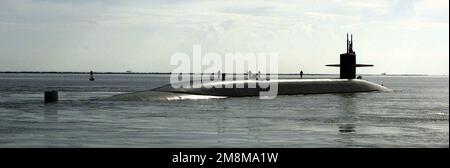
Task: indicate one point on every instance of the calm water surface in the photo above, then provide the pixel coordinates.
(416, 114)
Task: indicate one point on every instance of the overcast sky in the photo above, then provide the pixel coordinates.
(398, 36)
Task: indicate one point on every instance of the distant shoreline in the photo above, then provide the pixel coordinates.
(65, 72)
(168, 73)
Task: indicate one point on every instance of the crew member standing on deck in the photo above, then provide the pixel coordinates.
(258, 75)
(301, 74)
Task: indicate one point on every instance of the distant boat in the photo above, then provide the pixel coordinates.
(384, 73)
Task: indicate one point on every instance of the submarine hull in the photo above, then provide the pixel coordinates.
(243, 88)
(283, 87)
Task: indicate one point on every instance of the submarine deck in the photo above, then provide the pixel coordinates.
(242, 88)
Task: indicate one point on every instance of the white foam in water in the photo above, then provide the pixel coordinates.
(196, 97)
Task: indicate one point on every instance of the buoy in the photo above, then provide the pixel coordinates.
(91, 78)
(50, 96)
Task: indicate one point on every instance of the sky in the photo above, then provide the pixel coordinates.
(397, 36)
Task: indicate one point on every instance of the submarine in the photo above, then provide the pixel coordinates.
(346, 83)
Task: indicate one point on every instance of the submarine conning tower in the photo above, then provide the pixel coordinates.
(348, 62)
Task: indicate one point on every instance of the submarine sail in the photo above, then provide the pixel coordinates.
(348, 62)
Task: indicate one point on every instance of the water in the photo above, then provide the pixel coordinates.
(415, 115)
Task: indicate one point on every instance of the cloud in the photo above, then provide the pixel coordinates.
(138, 32)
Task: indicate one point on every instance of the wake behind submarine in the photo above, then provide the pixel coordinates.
(207, 90)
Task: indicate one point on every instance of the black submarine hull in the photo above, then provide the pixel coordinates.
(244, 88)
